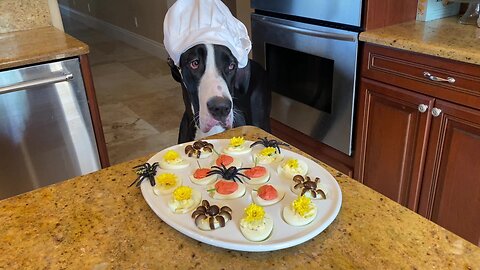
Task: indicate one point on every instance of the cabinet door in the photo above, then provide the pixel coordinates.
(451, 187)
(392, 135)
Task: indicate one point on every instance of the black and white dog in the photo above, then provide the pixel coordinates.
(217, 94)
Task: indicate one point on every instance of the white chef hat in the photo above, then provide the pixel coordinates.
(192, 22)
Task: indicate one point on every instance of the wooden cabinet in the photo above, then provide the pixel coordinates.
(418, 140)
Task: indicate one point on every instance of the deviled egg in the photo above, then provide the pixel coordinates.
(312, 189)
(267, 195)
(227, 161)
(199, 149)
(292, 167)
(258, 175)
(184, 199)
(256, 225)
(210, 217)
(267, 155)
(237, 146)
(226, 190)
(165, 183)
(200, 177)
(173, 161)
(300, 212)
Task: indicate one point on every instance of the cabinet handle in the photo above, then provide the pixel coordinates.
(436, 112)
(422, 108)
(438, 79)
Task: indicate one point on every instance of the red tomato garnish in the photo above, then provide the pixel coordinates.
(267, 192)
(224, 159)
(226, 187)
(255, 172)
(201, 173)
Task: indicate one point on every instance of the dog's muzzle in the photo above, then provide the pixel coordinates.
(219, 108)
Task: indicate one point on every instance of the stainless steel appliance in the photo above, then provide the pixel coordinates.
(309, 49)
(46, 132)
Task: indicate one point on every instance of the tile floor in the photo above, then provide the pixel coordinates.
(140, 103)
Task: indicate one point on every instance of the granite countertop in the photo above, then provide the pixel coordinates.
(96, 222)
(443, 38)
(37, 45)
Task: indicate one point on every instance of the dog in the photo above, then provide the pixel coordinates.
(217, 94)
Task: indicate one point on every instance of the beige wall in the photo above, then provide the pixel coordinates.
(149, 13)
(122, 13)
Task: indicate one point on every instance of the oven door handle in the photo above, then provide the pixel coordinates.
(309, 32)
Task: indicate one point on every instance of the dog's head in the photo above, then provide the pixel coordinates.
(208, 74)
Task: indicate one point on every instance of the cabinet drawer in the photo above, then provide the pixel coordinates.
(418, 72)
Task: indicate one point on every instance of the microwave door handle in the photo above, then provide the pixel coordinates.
(311, 32)
(35, 83)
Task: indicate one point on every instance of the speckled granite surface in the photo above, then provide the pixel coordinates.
(444, 38)
(37, 45)
(96, 222)
(16, 15)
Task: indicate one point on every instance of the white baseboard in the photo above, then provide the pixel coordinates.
(153, 47)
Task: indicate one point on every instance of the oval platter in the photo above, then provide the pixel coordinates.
(230, 237)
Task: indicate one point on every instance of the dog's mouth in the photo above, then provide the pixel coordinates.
(211, 122)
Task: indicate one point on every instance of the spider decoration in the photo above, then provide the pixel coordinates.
(308, 185)
(145, 171)
(232, 173)
(212, 213)
(269, 143)
(197, 148)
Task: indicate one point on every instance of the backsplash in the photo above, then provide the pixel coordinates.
(17, 15)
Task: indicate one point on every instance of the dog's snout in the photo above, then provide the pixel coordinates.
(219, 107)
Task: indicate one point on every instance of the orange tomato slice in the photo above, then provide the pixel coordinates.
(267, 192)
(255, 172)
(226, 187)
(225, 160)
(200, 173)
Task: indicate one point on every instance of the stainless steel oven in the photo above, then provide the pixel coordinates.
(310, 53)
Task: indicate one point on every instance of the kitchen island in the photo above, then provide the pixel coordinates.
(96, 222)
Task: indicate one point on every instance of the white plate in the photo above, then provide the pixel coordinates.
(230, 237)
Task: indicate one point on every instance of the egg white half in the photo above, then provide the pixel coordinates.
(236, 194)
(289, 173)
(258, 180)
(236, 162)
(259, 201)
(182, 207)
(182, 164)
(241, 150)
(264, 160)
(295, 219)
(308, 194)
(254, 234)
(203, 181)
(158, 190)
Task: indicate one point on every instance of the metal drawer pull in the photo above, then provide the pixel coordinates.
(422, 108)
(438, 79)
(436, 112)
(37, 82)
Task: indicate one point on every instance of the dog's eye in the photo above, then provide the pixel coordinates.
(231, 66)
(194, 64)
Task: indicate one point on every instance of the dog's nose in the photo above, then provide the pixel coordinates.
(219, 107)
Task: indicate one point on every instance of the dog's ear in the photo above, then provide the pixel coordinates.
(174, 70)
(242, 79)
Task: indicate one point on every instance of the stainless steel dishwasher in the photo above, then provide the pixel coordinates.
(46, 132)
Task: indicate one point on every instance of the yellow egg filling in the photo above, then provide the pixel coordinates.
(166, 180)
(182, 193)
(268, 151)
(236, 142)
(254, 213)
(171, 156)
(303, 206)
